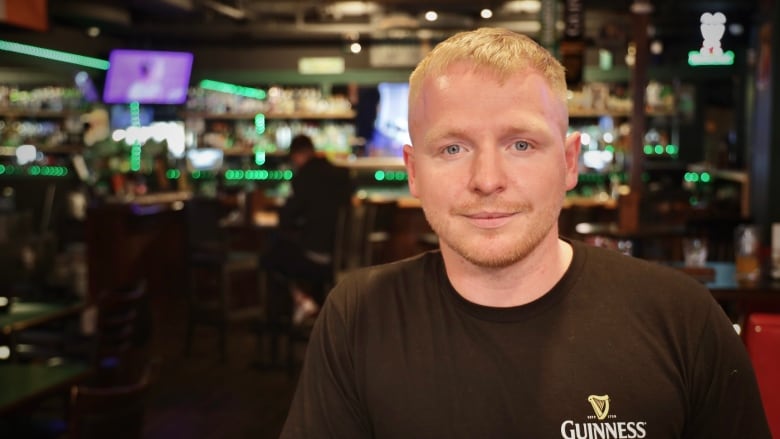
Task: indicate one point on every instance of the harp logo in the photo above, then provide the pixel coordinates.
(602, 424)
(600, 404)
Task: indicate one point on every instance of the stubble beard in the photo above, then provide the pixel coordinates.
(496, 249)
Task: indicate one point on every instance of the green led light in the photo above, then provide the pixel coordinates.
(2, 169)
(259, 158)
(259, 123)
(659, 149)
(400, 175)
(671, 149)
(648, 149)
(705, 177)
(34, 170)
(609, 148)
(54, 55)
(287, 175)
(696, 58)
(173, 174)
(135, 114)
(239, 90)
(379, 175)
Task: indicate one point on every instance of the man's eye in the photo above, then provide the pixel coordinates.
(521, 145)
(452, 149)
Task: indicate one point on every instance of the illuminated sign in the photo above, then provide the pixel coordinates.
(711, 53)
(324, 65)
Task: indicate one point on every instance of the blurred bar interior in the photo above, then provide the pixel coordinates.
(676, 102)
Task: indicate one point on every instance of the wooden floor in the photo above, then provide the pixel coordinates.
(202, 397)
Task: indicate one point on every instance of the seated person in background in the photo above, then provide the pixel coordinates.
(508, 330)
(302, 252)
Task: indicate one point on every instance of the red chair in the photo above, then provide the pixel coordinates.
(762, 339)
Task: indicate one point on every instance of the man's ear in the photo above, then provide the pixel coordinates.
(571, 154)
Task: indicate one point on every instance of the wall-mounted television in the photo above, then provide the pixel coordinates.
(391, 130)
(147, 77)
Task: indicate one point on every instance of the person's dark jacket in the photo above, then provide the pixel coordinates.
(319, 190)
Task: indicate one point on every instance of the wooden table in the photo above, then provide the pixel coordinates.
(725, 286)
(24, 384)
(741, 298)
(649, 241)
(25, 315)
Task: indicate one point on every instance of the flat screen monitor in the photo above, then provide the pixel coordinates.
(147, 77)
(391, 131)
(204, 159)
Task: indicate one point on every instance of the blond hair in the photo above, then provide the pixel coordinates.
(500, 50)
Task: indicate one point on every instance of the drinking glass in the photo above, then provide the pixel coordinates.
(695, 252)
(746, 249)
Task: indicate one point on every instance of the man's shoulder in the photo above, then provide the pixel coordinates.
(389, 280)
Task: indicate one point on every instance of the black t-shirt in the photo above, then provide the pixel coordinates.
(619, 348)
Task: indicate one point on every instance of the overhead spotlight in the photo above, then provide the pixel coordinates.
(736, 29)
(522, 6)
(486, 13)
(431, 16)
(656, 47)
(93, 31)
(355, 47)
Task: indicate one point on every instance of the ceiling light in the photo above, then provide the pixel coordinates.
(520, 6)
(355, 47)
(93, 31)
(431, 16)
(656, 47)
(351, 8)
(486, 13)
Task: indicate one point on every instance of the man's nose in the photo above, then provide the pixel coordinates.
(488, 172)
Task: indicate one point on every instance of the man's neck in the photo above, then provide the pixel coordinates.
(515, 285)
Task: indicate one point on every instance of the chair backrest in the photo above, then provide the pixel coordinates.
(762, 340)
(123, 325)
(115, 412)
(203, 216)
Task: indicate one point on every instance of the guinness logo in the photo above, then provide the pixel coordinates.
(600, 405)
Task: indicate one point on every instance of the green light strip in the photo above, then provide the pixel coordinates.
(239, 90)
(135, 150)
(258, 174)
(381, 175)
(54, 55)
(695, 58)
(34, 171)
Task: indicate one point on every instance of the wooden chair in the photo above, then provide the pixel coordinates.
(122, 332)
(376, 229)
(115, 412)
(213, 272)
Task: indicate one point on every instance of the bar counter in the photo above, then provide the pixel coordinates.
(134, 239)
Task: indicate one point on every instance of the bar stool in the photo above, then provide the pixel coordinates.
(213, 272)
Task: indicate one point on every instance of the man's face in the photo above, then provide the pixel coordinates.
(298, 159)
(490, 163)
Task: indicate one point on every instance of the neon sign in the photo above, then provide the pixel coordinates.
(711, 53)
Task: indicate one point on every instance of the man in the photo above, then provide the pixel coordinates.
(509, 330)
(302, 253)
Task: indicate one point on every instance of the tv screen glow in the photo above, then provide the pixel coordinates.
(147, 77)
(391, 130)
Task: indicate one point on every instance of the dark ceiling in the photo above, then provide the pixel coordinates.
(254, 22)
(241, 40)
